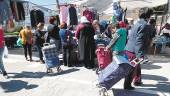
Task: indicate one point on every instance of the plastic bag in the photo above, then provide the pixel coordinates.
(19, 42)
(5, 52)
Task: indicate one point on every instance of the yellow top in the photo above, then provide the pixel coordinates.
(26, 36)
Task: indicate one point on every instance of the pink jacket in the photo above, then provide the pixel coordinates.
(1, 38)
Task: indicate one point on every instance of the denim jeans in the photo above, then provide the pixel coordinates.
(38, 46)
(2, 69)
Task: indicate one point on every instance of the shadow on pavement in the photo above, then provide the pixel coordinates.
(161, 86)
(65, 72)
(150, 66)
(16, 85)
(154, 77)
(25, 74)
(163, 83)
(28, 75)
(122, 92)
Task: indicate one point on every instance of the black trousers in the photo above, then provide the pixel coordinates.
(28, 48)
(66, 55)
(135, 75)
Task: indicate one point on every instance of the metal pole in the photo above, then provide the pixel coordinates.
(58, 6)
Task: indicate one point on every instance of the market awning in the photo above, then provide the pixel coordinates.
(134, 4)
(77, 2)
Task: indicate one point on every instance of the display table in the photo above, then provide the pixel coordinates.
(10, 40)
(161, 41)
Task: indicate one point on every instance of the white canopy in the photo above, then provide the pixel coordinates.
(133, 4)
(77, 2)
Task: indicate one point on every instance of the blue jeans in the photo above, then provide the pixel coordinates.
(2, 69)
(38, 46)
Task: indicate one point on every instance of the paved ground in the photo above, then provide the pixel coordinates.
(30, 79)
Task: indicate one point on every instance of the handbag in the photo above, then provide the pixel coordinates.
(19, 42)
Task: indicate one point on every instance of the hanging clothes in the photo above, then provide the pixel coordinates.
(73, 16)
(5, 11)
(17, 10)
(88, 14)
(36, 16)
(117, 11)
(63, 13)
(21, 12)
(40, 16)
(33, 18)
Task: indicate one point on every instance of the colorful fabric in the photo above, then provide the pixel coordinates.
(64, 14)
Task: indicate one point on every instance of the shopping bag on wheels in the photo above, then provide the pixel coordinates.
(51, 56)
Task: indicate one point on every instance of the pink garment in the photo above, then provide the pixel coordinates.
(89, 15)
(63, 14)
(1, 38)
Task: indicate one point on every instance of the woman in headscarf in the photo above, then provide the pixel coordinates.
(86, 44)
(27, 40)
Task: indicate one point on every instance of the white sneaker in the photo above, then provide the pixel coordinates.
(103, 92)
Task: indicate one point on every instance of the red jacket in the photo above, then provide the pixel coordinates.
(1, 38)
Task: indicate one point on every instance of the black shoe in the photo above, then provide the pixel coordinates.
(138, 83)
(26, 59)
(5, 74)
(129, 88)
(31, 60)
(42, 61)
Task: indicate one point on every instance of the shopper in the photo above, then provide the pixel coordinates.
(27, 40)
(39, 40)
(135, 47)
(53, 33)
(67, 46)
(86, 44)
(2, 43)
